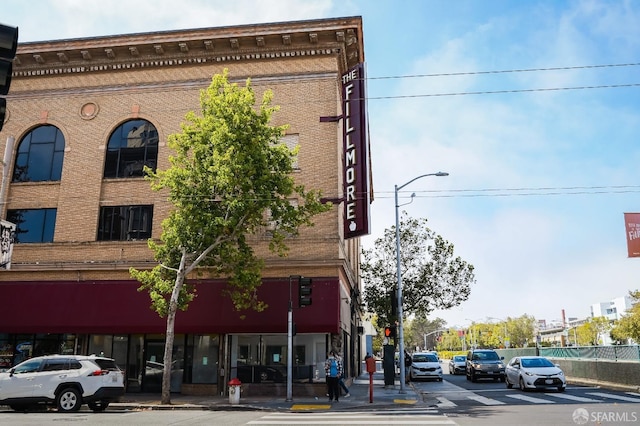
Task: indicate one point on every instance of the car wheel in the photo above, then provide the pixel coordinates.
(521, 384)
(264, 376)
(439, 379)
(473, 376)
(468, 376)
(506, 381)
(503, 378)
(98, 407)
(68, 400)
(561, 388)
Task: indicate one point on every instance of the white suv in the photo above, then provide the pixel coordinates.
(66, 381)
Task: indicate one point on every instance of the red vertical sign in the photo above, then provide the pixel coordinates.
(632, 225)
(355, 155)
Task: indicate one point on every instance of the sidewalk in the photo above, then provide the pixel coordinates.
(383, 397)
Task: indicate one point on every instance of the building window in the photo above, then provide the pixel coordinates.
(132, 146)
(40, 154)
(33, 226)
(292, 141)
(124, 223)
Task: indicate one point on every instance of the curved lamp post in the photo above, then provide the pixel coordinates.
(399, 278)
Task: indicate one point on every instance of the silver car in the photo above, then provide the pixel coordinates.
(534, 372)
(457, 364)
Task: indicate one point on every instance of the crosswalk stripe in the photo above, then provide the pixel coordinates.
(530, 399)
(572, 397)
(484, 400)
(611, 396)
(445, 403)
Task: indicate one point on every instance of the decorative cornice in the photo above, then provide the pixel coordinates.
(341, 37)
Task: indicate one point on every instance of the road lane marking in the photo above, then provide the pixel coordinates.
(445, 403)
(611, 396)
(530, 399)
(572, 397)
(484, 400)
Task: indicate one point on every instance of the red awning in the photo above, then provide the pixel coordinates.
(117, 307)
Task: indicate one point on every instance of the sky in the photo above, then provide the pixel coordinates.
(532, 107)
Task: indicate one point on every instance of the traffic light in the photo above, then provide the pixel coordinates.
(304, 292)
(390, 332)
(8, 47)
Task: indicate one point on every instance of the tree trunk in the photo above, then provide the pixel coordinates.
(171, 320)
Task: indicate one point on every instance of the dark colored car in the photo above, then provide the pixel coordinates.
(483, 364)
(458, 364)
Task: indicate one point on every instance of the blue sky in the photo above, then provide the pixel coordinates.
(540, 172)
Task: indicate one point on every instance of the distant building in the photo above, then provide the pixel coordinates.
(612, 310)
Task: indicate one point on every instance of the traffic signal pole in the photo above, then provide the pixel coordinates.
(290, 344)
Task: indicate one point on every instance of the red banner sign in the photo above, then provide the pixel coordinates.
(632, 225)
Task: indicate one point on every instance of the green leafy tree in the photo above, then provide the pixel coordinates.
(418, 328)
(230, 177)
(628, 327)
(521, 331)
(450, 341)
(591, 331)
(432, 278)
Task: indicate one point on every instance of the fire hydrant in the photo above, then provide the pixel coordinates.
(234, 391)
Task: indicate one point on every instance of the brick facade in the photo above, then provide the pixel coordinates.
(88, 87)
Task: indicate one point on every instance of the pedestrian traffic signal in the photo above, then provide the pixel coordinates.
(390, 332)
(304, 292)
(8, 47)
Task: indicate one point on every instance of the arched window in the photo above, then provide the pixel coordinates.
(133, 145)
(40, 155)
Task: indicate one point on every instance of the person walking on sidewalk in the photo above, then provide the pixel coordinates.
(333, 371)
(407, 367)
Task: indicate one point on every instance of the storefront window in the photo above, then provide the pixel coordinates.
(101, 345)
(205, 361)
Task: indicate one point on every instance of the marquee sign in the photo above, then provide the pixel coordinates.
(355, 154)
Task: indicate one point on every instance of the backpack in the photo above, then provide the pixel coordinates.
(333, 368)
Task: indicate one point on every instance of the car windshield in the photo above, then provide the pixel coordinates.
(459, 358)
(425, 358)
(536, 362)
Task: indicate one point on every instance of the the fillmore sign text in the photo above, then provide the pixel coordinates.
(355, 154)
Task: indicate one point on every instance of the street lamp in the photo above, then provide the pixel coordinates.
(399, 278)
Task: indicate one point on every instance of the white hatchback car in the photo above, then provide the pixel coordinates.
(66, 381)
(534, 372)
(425, 365)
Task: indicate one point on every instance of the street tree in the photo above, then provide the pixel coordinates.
(451, 340)
(230, 177)
(432, 278)
(628, 327)
(591, 332)
(420, 330)
(520, 331)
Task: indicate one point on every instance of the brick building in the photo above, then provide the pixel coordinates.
(85, 115)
